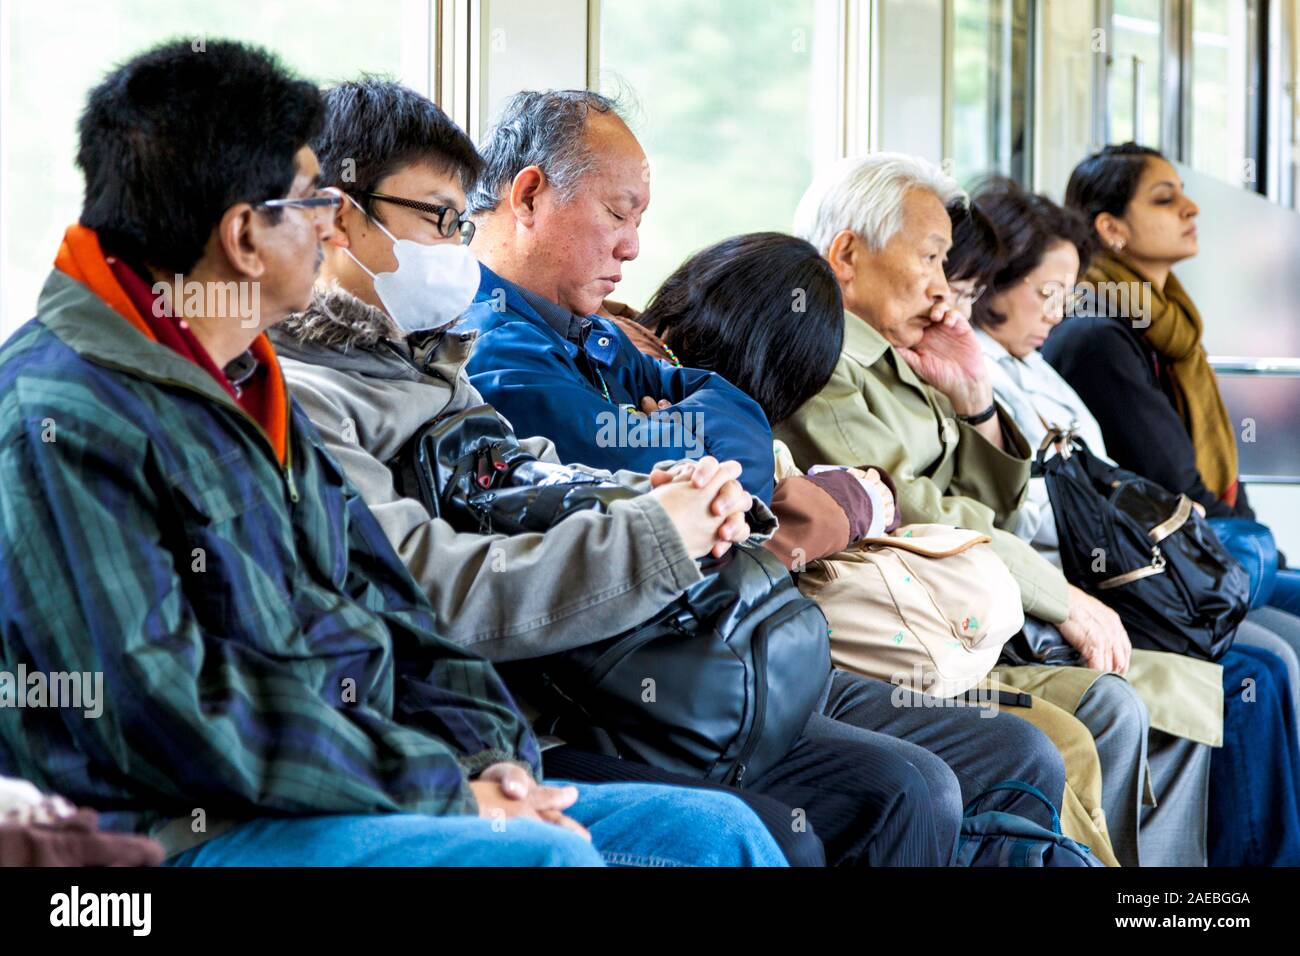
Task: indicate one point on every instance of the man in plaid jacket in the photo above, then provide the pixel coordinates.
(274, 692)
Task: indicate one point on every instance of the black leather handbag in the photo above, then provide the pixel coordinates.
(1143, 551)
(717, 685)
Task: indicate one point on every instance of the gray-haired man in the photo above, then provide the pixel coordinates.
(557, 209)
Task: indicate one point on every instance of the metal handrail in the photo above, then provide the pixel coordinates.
(1243, 365)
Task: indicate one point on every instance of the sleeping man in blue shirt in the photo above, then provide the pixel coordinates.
(550, 254)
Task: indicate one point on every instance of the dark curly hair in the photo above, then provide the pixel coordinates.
(1027, 224)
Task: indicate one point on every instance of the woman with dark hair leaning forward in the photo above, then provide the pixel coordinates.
(765, 312)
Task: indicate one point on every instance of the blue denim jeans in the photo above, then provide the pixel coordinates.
(1254, 819)
(631, 824)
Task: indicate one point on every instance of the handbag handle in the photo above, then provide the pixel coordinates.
(1017, 786)
(1157, 566)
(1175, 521)
(1055, 435)
(1157, 534)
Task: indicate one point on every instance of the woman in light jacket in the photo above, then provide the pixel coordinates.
(1014, 279)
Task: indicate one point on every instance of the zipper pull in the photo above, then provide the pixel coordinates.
(498, 462)
(293, 488)
(483, 471)
(740, 775)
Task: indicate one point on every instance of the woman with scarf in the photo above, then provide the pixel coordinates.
(1015, 257)
(1145, 374)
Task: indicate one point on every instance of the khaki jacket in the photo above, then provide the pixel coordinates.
(876, 409)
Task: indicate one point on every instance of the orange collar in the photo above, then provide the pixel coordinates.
(81, 257)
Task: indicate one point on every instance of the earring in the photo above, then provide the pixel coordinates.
(1118, 245)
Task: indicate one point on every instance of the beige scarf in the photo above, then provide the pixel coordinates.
(1175, 333)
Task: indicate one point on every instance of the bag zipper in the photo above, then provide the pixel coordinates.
(611, 658)
(760, 715)
(796, 607)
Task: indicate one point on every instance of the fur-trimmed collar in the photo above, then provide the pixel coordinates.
(337, 319)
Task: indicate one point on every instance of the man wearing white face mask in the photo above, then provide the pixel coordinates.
(432, 281)
(372, 361)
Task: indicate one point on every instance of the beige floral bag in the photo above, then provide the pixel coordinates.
(928, 607)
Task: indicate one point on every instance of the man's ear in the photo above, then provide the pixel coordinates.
(524, 191)
(240, 234)
(843, 255)
(345, 216)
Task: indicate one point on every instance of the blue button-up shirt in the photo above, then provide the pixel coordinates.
(579, 381)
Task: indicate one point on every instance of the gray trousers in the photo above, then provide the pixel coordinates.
(961, 751)
(1117, 718)
(1173, 832)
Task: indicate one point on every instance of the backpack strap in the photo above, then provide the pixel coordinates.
(1017, 786)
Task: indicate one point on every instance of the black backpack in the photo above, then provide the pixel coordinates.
(1143, 551)
(717, 685)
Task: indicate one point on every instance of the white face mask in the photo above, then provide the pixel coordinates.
(432, 285)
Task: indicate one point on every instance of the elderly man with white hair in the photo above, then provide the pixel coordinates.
(911, 392)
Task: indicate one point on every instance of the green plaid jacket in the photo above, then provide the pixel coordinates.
(263, 651)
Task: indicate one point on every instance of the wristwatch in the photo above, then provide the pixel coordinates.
(982, 417)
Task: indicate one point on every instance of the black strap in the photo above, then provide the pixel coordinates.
(982, 417)
(1005, 698)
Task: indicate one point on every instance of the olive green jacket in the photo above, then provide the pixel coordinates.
(875, 409)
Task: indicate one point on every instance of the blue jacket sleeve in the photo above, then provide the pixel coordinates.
(528, 377)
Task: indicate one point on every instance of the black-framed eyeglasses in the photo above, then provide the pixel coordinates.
(450, 220)
(322, 204)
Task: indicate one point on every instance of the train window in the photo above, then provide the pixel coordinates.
(323, 39)
(1136, 41)
(734, 103)
(1250, 329)
(1263, 408)
(1063, 118)
(989, 88)
(1219, 90)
